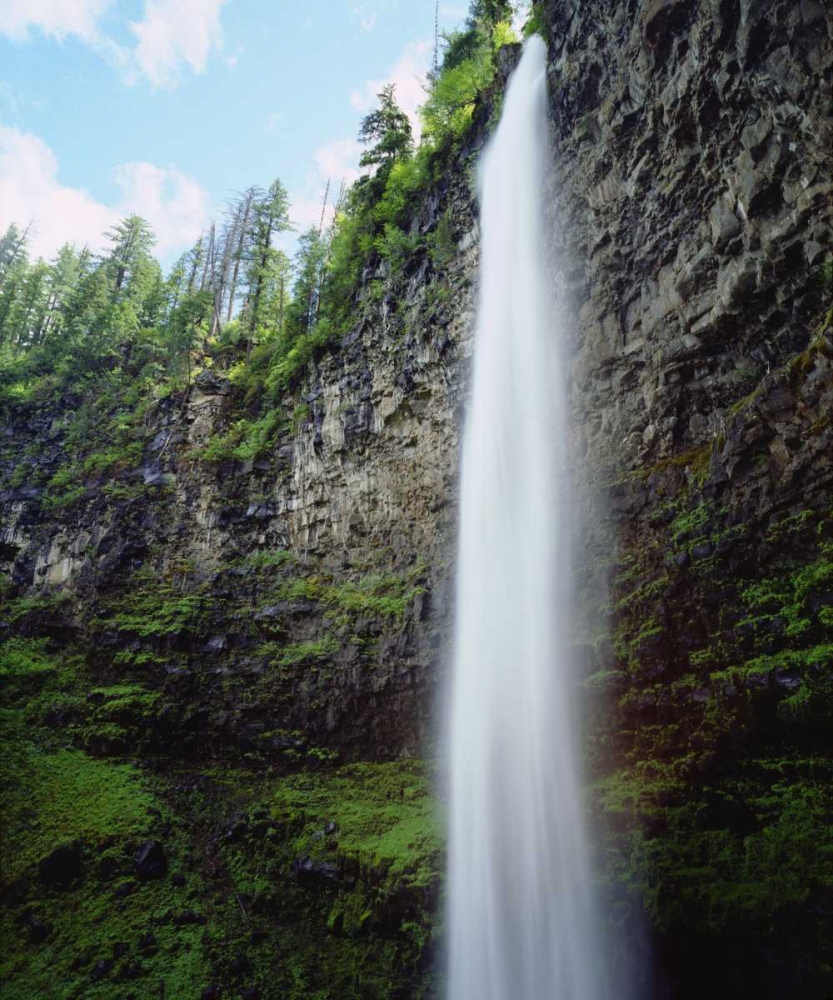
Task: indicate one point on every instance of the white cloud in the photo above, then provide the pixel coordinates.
(408, 75)
(174, 204)
(306, 213)
(336, 161)
(171, 36)
(339, 159)
(174, 32)
(55, 18)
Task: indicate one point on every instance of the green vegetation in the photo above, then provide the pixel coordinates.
(383, 595)
(709, 731)
(234, 840)
(157, 612)
(122, 337)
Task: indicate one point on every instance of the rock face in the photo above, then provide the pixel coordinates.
(359, 483)
(694, 144)
(290, 610)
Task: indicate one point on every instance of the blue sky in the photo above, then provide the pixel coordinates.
(166, 107)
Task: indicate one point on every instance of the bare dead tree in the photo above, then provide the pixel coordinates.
(243, 219)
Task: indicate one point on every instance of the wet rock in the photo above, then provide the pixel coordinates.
(236, 832)
(63, 866)
(149, 861)
(37, 929)
(101, 969)
(130, 970)
(241, 966)
(148, 944)
(311, 873)
(212, 384)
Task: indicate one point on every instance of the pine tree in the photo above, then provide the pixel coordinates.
(64, 274)
(270, 217)
(12, 248)
(489, 11)
(132, 240)
(240, 240)
(309, 263)
(387, 130)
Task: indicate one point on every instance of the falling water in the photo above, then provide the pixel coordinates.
(521, 921)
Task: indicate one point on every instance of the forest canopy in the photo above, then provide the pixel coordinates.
(59, 318)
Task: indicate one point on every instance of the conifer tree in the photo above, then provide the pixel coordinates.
(271, 216)
(387, 131)
(132, 240)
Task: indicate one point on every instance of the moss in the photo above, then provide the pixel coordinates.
(384, 595)
(715, 764)
(696, 874)
(385, 815)
(41, 805)
(300, 652)
(245, 440)
(268, 559)
(156, 611)
(360, 931)
(62, 797)
(695, 461)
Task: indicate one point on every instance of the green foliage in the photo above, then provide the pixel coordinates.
(396, 246)
(380, 595)
(442, 243)
(301, 652)
(247, 440)
(24, 665)
(386, 131)
(385, 815)
(155, 612)
(112, 795)
(85, 323)
(536, 23)
(448, 111)
(715, 879)
(266, 559)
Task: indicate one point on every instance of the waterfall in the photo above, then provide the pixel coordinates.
(521, 915)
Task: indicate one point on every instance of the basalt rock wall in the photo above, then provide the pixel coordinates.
(693, 175)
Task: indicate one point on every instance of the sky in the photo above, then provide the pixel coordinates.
(166, 108)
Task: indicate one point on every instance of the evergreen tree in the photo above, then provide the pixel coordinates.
(489, 11)
(27, 314)
(309, 264)
(270, 217)
(132, 240)
(387, 131)
(239, 240)
(12, 248)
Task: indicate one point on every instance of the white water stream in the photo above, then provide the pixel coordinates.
(521, 915)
